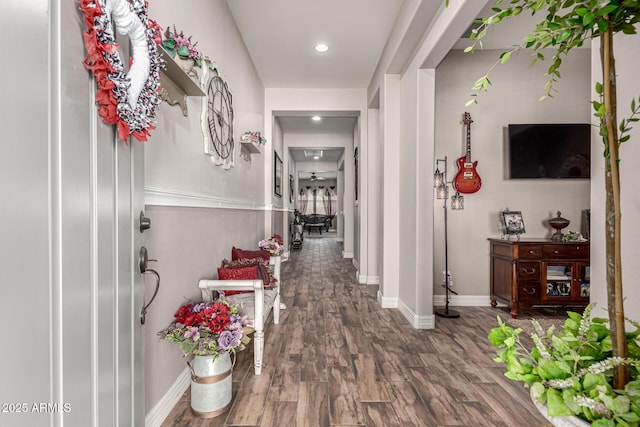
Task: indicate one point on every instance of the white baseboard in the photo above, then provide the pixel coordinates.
(339, 239)
(463, 300)
(347, 254)
(156, 416)
(367, 280)
(418, 322)
(386, 302)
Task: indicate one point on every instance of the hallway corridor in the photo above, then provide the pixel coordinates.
(338, 359)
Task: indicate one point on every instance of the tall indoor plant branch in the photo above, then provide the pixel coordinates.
(566, 25)
(613, 219)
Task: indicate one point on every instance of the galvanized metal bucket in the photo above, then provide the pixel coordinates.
(210, 385)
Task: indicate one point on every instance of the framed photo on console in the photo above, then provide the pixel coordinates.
(511, 223)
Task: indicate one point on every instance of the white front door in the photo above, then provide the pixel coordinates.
(71, 196)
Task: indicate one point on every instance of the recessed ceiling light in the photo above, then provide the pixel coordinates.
(314, 154)
(321, 47)
(316, 118)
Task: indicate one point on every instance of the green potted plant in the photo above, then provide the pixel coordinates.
(565, 25)
(572, 370)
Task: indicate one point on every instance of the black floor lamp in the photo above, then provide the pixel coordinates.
(457, 203)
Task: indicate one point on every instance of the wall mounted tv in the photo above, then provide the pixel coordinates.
(549, 150)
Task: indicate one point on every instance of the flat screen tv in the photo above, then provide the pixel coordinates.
(549, 150)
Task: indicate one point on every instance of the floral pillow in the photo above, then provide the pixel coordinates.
(237, 254)
(264, 271)
(243, 273)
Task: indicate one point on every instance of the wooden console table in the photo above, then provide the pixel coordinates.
(530, 273)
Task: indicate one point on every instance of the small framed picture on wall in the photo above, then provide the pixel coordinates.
(291, 185)
(355, 161)
(277, 174)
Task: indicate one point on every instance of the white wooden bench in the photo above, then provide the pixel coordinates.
(255, 305)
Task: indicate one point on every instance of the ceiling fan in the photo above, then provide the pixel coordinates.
(314, 177)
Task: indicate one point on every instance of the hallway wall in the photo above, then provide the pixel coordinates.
(513, 98)
(338, 100)
(422, 98)
(375, 197)
(199, 210)
(319, 140)
(189, 244)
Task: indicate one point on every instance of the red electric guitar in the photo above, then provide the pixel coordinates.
(467, 180)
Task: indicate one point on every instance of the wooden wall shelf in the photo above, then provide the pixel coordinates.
(176, 84)
(247, 148)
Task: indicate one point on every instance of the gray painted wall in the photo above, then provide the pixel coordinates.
(513, 98)
(204, 209)
(174, 158)
(190, 244)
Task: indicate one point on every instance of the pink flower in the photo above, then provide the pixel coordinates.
(192, 333)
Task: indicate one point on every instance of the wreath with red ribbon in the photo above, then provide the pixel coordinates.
(128, 100)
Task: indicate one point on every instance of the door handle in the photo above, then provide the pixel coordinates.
(144, 269)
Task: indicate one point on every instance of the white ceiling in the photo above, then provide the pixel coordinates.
(280, 35)
(329, 155)
(328, 124)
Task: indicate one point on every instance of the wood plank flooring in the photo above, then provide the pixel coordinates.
(338, 359)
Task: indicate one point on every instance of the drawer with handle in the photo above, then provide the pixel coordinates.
(530, 251)
(568, 251)
(529, 270)
(529, 293)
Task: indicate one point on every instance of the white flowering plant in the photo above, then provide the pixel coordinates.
(255, 137)
(571, 371)
(273, 244)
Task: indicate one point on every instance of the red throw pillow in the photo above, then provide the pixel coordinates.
(264, 271)
(244, 273)
(237, 254)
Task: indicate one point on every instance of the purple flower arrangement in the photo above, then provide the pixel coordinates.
(205, 329)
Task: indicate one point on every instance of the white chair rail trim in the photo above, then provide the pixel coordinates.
(166, 197)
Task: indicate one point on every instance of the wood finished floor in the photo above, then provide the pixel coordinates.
(338, 359)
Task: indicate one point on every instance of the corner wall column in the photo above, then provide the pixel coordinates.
(390, 117)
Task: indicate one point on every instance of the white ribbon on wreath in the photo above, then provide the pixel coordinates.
(128, 24)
